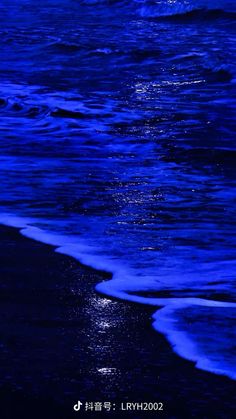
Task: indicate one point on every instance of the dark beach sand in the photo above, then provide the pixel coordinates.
(57, 333)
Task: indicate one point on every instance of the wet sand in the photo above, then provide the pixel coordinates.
(62, 342)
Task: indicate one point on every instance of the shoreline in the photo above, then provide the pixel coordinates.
(62, 341)
(178, 337)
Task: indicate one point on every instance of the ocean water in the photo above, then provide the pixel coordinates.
(117, 127)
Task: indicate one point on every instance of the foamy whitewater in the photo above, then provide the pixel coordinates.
(117, 147)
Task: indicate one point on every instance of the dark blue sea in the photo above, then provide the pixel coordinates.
(117, 128)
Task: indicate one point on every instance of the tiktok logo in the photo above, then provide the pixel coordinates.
(77, 406)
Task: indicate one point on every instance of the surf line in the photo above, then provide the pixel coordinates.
(117, 287)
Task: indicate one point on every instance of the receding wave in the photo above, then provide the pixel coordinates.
(187, 322)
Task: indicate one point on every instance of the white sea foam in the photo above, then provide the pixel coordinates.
(164, 8)
(204, 335)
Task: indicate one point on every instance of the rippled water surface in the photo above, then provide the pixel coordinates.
(118, 146)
